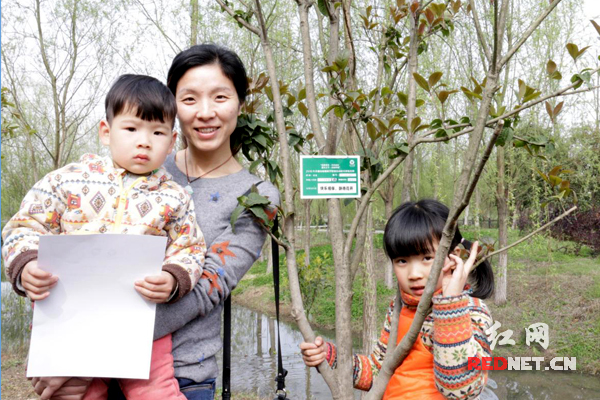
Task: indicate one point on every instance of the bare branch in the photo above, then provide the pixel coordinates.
(172, 44)
(239, 19)
(561, 216)
(480, 35)
(491, 122)
(528, 33)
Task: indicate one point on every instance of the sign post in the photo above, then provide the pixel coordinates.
(324, 177)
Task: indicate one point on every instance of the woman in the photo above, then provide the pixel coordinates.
(209, 83)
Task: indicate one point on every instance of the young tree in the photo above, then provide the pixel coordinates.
(364, 113)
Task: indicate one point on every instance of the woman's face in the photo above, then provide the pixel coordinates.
(207, 108)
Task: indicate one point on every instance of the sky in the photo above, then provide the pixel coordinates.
(592, 8)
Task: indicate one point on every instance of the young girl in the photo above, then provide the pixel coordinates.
(436, 367)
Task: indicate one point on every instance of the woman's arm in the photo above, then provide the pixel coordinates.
(228, 258)
(459, 323)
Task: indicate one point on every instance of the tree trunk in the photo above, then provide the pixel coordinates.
(269, 250)
(194, 19)
(413, 63)
(501, 196)
(389, 209)
(466, 217)
(477, 207)
(370, 289)
(307, 231)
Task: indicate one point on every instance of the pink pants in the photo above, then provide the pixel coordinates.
(162, 384)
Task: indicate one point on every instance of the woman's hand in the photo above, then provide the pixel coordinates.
(455, 272)
(313, 354)
(61, 387)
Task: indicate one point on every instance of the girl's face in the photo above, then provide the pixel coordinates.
(207, 108)
(412, 272)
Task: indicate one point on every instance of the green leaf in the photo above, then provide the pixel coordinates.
(339, 111)
(386, 91)
(303, 109)
(260, 213)
(551, 67)
(403, 98)
(235, 215)
(555, 170)
(415, 124)
(421, 81)
(541, 174)
(434, 78)
(443, 95)
(261, 140)
(328, 109)
(554, 180)
(558, 108)
(505, 137)
(532, 96)
(441, 133)
(372, 131)
(291, 100)
(323, 7)
(419, 102)
(302, 94)
(256, 199)
(595, 26)
(575, 52)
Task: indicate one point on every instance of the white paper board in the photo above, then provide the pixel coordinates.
(94, 323)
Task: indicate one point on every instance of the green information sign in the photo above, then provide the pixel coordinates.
(323, 177)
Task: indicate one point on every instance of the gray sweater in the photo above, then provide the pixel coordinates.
(195, 320)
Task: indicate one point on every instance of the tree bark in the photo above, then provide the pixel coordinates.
(194, 20)
(307, 231)
(501, 196)
(370, 289)
(413, 64)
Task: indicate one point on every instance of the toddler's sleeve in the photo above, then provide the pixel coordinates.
(40, 213)
(185, 253)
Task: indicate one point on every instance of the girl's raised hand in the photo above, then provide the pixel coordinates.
(313, 354)
(455, 272)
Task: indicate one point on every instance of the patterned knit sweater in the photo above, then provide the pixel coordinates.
(90, 197)
(454, 331)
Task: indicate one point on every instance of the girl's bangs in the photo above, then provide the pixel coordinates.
(410, 232)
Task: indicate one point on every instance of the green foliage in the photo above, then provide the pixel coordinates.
(313, 277)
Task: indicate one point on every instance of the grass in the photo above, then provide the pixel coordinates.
(547, 282)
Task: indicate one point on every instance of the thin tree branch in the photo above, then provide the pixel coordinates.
(561, 216)
(560, 92)
(480, 35)
(528, 33)
(239, 19)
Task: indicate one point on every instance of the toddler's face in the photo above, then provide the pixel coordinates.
(137, 145)
(412, 272)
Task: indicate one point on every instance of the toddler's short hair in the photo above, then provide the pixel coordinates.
(149, 98)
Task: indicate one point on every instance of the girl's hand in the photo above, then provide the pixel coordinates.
(156, 288)
(313, 354)
(455, 272)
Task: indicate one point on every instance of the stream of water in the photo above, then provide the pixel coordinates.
(254, 360)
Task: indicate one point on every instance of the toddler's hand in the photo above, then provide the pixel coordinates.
(156, 288)
(455, 272)
(37, 282)
(313, 354)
